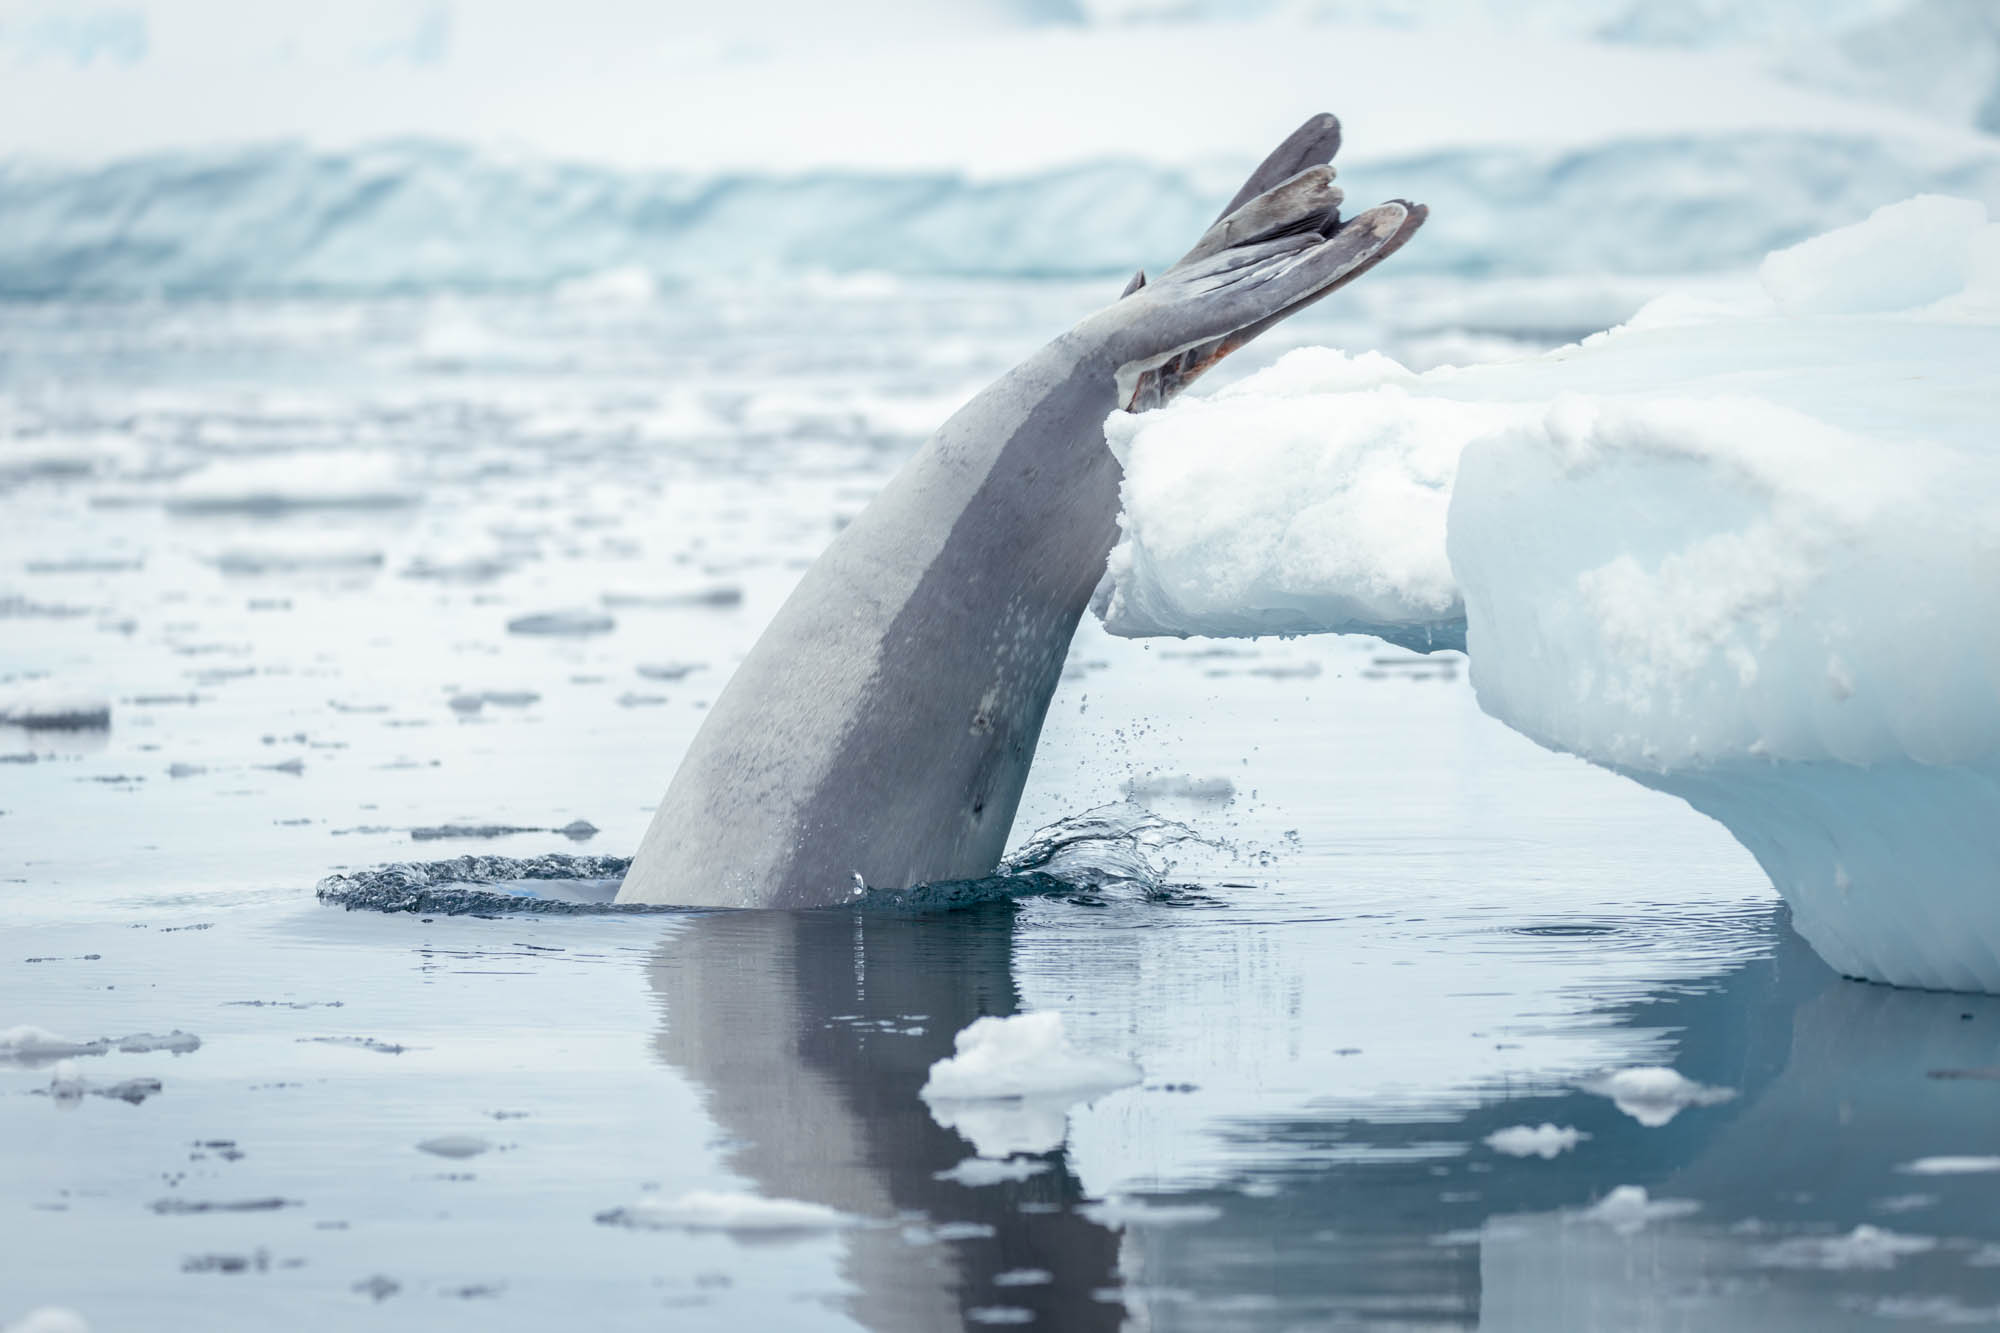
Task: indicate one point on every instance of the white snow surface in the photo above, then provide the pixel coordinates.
(1742, 548)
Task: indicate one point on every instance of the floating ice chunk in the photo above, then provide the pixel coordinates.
(1118, 1211)
(705, 1210)
(1951, 1166)
(1865, 1247)
(45, 707)
(717, 595)
(50, 1319)
(1545, 1141)
(1653, 1095)
(176, 1042)
(1738, 549)
(1025, 1055)
(285, 483)
(975, 1172)
(298, 556)
(572, 623)
(1009, 1087)
(1628, 1208)
(457, 1146)
(28, 1043)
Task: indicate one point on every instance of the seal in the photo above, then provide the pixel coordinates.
(881, 729)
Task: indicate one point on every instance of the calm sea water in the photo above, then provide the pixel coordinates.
(406, 580)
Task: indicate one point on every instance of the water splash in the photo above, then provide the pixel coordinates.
(1109, 852)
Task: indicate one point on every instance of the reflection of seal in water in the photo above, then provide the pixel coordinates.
(882, 727)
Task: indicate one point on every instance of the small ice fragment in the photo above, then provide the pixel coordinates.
(1951, 1166)
(183, 1207)
(433, 832)
(1544, 1141)
(49, 1319)
(1117, 1211)
(707, 1210)
(1022, 1056)
(975, 1172)
(50, 709)
(721, 595)
(30, 1044)
(572, 624)
(1627, 1208)
(1000, 1314)
(578, 830)
(177, 1041)
(668, 670)
(1010, 1086)
(1024, 1277)
(1653, 1095)
(1865, 1247)
(962, 1231)
(455, 1145)
(180, 770)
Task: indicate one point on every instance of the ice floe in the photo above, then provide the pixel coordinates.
(1740, 549)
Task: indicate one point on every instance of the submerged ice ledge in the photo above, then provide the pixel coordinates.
(1743, 550)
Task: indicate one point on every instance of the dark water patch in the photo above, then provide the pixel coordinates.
(1565, 930)
(1112, 852)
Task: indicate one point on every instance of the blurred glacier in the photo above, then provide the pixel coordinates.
(1741, 549)
(414, 216)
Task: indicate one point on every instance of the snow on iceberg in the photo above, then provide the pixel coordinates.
(1743, 550)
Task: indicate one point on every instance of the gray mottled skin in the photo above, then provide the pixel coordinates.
(883, 725)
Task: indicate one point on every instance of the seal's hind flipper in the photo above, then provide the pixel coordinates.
(1310, 145)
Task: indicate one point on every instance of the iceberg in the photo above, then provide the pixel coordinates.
(1742, 549)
